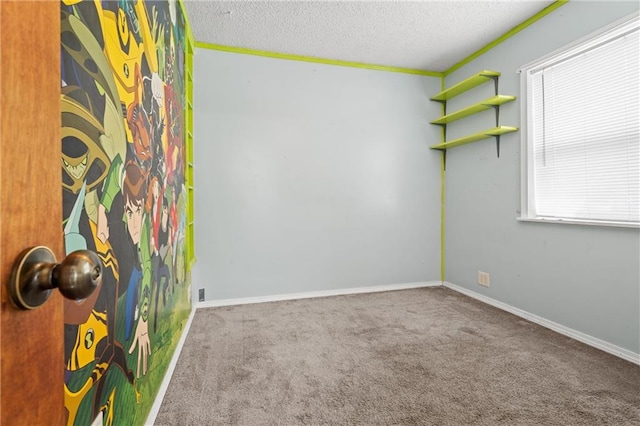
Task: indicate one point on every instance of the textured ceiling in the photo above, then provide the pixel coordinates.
(425, 35)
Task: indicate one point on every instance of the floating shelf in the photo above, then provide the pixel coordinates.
(468, 84)
(475, 108)
(489, 133)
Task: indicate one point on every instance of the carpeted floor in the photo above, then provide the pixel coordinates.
(414, 357)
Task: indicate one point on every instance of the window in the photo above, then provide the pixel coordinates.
(581, 131)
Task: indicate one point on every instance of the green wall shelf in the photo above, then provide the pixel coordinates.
(485, 134)
(467, 84)
(491, 102)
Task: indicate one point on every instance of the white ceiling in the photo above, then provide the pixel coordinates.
(424, 35)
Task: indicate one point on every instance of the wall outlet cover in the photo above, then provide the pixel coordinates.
(484, 278)
(201, 295)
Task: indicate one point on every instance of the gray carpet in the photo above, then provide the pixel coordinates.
(426, 356)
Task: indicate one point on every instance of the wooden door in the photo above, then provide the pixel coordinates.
(31, 342)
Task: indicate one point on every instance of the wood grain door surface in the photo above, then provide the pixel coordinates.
(31, 342)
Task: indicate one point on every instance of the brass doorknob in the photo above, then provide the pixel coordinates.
(36, 273)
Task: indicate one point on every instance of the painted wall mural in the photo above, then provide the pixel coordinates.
(123, 185)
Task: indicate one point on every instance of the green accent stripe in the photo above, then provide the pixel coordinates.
(302, 58)
(442, 195)
(513, 31)
(442, 211)
(188, 138)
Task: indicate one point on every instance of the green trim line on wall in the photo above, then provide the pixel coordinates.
(442, 189)
(325, 61)
(513, 31)
(302, 58)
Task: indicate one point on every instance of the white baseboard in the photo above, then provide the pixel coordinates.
(155, 408)
(574, 334)
(310, 294)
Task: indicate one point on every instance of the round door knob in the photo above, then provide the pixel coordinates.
(35, 274)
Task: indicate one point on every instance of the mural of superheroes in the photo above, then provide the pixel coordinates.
(122, 97)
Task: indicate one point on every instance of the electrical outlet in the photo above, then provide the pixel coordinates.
(201, 295)
(484, 278)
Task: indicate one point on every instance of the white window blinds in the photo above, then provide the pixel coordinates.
(583, 130)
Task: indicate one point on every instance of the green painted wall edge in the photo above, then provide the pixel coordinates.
(188, 137)
(544, 12)
(302, 58)
(442, 194)
(513, 31)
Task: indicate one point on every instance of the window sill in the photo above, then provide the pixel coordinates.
(581, 222)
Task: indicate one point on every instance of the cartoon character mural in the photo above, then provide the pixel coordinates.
(122, 93)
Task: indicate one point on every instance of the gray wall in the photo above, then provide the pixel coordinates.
(312, 177)
(583, 277)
